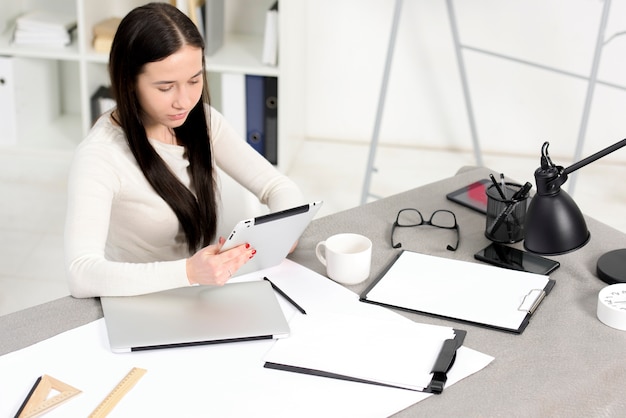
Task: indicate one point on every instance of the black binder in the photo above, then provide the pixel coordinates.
(429, 278)
(255, 109)
(440, 370)
(271, 119)
(101, 96)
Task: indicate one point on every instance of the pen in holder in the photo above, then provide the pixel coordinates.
(506, 212)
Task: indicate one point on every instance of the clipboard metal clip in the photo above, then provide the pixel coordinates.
(444, 362)
(532, 300)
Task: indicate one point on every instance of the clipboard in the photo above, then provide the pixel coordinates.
(421, 365)
(467, 292)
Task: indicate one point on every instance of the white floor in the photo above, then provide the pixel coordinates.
(32, 186)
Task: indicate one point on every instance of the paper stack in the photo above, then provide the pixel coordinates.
(103, 33)
(44, 28)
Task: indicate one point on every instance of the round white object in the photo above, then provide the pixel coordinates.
(612, 306)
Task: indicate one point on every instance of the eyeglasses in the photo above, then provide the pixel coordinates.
(441, 218)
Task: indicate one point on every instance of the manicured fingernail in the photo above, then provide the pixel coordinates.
(247, 245)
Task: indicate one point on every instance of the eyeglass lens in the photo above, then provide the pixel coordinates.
(412, 217)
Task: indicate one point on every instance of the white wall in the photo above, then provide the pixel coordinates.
(517, 107)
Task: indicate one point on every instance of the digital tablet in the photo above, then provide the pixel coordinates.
(271, 235)
(473, 196)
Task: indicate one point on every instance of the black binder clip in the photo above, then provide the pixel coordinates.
(444, 362)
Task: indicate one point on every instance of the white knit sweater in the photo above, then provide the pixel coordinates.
(121, 237)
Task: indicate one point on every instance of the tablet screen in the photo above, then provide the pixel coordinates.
(473, 196)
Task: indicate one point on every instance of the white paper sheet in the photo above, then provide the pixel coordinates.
(458, 289)
(218, 380)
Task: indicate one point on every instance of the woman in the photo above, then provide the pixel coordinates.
(142, 198)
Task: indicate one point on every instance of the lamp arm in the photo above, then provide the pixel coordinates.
(595, 157)
(550, 177)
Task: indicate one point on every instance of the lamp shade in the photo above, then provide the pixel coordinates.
(554, 224)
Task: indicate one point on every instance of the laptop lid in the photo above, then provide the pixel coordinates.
(272, 235)
(194, 315)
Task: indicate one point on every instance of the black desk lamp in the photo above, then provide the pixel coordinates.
(554, 223)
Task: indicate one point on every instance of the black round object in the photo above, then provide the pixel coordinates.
(612, 267)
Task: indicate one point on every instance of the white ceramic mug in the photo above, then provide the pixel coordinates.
(347, 257)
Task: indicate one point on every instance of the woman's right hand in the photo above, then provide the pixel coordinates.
(210, 267)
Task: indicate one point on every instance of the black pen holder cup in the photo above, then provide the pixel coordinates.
(505, 216)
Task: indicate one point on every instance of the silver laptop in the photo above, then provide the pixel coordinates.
(194, 315)
(272, 235)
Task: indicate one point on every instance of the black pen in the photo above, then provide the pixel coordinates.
(283, 294)
(503, 182)
(500, 219)
(522, 192)
(30, 394)
(498, 188)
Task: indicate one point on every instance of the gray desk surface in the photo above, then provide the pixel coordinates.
(566, 363)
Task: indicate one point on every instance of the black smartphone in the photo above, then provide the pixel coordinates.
(473, 196)
(512, 258)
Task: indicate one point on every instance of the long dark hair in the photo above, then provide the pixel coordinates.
(147, 34)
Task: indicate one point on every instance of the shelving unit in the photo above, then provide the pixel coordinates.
(57, 115)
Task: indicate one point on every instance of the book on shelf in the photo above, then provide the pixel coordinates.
(40, 27)
(208, 15)
(270, 37)
(104, 32)
(196, 11)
